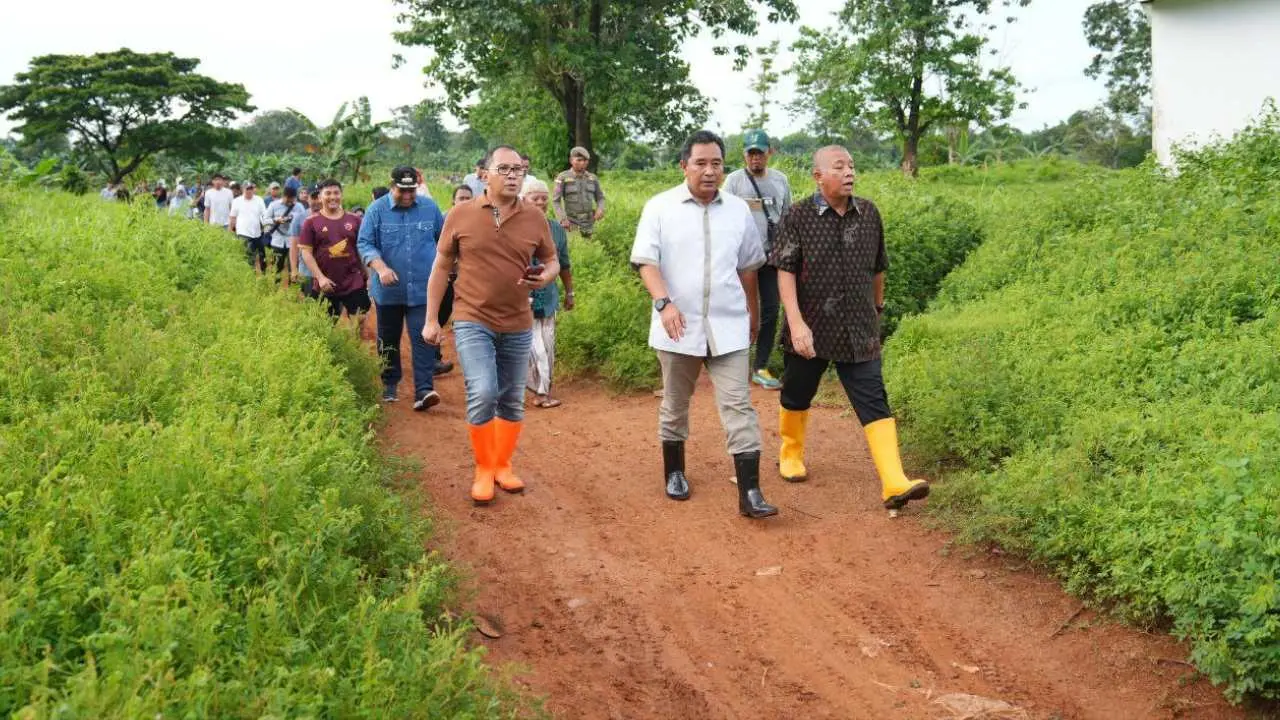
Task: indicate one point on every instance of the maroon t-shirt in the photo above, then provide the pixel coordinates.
(333, 242)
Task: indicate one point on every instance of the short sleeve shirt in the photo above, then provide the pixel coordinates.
(835, 260)
(701, 250)
(493, 248)
(248, 213)
(333, 243)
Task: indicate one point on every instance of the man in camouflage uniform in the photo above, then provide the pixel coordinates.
(578, 199)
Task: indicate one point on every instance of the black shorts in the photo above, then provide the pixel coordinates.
(353, 302)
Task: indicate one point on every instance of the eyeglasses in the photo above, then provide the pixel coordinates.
(510, 170)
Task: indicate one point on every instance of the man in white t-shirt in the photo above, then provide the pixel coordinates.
(248, 215)
(217, 202)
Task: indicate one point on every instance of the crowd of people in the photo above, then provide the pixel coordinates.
(723, 258)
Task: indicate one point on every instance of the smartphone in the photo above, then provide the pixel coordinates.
(532, 272)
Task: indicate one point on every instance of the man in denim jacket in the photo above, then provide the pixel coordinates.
(398, 242)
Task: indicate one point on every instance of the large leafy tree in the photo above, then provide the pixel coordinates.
(1121, 33)
(599, 62)
(420, 129)
(273, 132)
(121, 108)
(903, 66)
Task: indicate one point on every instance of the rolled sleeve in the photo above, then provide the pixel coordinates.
(647, 248)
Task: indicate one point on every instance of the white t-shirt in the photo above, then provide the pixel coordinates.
(218, 203)
(248, 215)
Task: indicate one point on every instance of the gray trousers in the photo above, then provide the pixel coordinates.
(730, 374)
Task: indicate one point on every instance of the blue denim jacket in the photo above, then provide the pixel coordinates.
(405, 239)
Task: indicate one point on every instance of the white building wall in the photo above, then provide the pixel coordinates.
(1214, 63)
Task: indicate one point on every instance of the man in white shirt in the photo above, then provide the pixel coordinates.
(247, 217)
(698, 250)
(217, 202)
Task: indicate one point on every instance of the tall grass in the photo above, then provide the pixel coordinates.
(193, 518)
(1105, 366)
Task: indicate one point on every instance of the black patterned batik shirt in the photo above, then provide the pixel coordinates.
(835, 259)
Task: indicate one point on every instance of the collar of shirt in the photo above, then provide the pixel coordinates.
(486, 202)
(686, 195)
(820, 201)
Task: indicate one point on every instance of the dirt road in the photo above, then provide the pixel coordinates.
(622, 604)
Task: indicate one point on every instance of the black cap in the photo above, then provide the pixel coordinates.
(404, 177)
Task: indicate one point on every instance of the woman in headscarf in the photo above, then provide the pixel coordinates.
(545, 303)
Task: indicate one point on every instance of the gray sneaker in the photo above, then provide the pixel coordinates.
(389, 395)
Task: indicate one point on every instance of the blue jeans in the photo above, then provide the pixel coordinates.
(495, 367)
(392, 320)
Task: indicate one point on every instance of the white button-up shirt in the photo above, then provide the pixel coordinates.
(700, 249)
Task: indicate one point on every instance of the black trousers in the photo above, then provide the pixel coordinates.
(863, 383)
(768, 279)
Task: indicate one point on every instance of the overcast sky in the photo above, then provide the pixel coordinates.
(350, 45)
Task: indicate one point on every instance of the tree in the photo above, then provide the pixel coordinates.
(272, 132)
(1121, 33)
(600, 62)
(763, 86)
(348, 143)
(904, 66)
(121, 108)
(420, 128)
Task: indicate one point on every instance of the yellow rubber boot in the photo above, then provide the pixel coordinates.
(895, 489)
(482, 445)
(791, 425)
(508, 435)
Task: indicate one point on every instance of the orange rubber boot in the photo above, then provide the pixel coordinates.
(482, 444)
(508, 434)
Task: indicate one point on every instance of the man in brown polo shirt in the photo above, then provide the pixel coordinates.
(493, 239)
(831, 262)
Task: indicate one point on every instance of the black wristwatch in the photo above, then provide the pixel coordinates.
(661, 303)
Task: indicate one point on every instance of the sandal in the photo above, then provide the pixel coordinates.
(547, 402)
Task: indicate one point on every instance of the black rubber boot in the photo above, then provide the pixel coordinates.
(750, 500)
(673, 469)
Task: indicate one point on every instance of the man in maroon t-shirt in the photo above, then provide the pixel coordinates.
(328, 246)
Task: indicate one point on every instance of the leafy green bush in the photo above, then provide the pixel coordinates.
(927, 232)
(193, 521)
(1106, 367)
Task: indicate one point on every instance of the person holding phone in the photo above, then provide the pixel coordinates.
(492, 240)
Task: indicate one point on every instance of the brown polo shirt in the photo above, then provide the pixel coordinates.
(492, 251)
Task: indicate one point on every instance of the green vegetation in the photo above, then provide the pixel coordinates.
(121, 108)
(1105, 368)
(193, 518)
(928, 229)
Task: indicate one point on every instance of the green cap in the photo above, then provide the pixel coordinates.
(755, 140)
